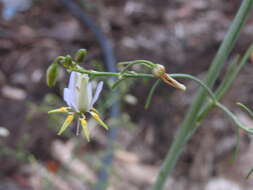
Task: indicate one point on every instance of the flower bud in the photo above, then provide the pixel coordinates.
(158, 70)
(52, 73)
(80, 55)
(67, 61)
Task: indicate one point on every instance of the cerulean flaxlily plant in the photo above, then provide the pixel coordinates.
(80, 101)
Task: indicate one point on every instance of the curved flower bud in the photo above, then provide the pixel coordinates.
(52, 73)
(80, 55)
(160, 72)
(169, 80)
(67, 61)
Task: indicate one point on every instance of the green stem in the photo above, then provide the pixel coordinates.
(151, 93)
(184, 76)
(132, 64)
(189, 122)
(248, 175)
(223, 88)
(227, 82)
(246, 109)
(110, 74)
(175, 75)
(145, 62)
(233, 118)
(203, 85)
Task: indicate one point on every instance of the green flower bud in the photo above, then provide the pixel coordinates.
(67, 62)
(158, 70)
(52, 73)
(80, 55)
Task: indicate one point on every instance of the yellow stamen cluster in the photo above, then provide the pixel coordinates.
(86, 133)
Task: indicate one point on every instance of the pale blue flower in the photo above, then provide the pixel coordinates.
(80, 100)
(79, 94)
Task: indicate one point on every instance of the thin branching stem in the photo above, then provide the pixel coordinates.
(233, 117)
(143, 62)
(245, 108)
(230, 76)
(151, 93)
(189, 124)
(175, 75)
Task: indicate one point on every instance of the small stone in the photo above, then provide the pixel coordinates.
(13, 93)
(19, 78)
(37, 75)
(130, 99)
(4, 132)
(222, 184)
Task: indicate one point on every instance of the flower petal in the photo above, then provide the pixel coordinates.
(98, 119)
(89, 94)
(86, 132)
(97, 93)
(66, 96)
(66, 123)
(82, 93)
(69, 99)
(60, 110)
(72, 79)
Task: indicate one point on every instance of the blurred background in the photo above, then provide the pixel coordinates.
(182, 35)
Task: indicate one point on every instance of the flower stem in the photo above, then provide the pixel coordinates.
(111, 74)
(143, 62)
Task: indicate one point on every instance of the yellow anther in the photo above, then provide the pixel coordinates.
(60, 110)
(97, 118)
(86, 132)
(66, 123)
